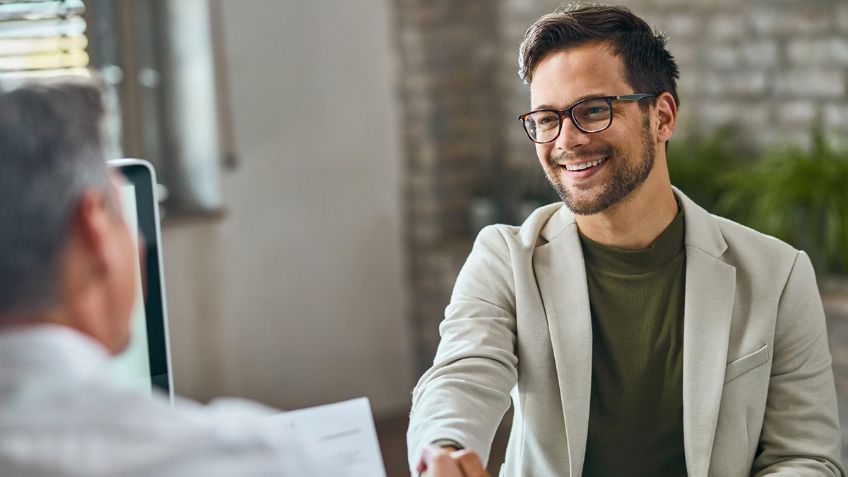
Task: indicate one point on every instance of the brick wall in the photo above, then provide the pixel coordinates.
(781, 65)
(447, 62)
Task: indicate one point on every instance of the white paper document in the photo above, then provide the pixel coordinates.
(343, 433)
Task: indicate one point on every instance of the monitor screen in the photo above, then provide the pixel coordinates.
(133, 364)
(145, 363)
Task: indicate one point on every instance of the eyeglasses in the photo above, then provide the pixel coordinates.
(590, 115)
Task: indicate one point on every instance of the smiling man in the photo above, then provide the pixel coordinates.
(635, 333)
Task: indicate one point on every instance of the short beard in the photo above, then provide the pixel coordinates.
(629, 178)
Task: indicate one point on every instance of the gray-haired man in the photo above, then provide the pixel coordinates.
(67, 286)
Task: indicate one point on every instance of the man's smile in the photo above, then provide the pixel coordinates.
(586, 165)
(584, 168)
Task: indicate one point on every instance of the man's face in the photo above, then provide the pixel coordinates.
(625, 150)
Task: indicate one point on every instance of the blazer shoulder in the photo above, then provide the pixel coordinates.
(738, 235)
(541, 226)
(762, 256)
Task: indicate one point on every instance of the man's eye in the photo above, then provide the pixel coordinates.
(597, 110)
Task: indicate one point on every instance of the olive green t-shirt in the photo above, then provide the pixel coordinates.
(636, 413)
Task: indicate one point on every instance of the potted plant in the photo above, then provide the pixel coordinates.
(798, 195)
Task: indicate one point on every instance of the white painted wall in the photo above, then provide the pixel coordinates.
(297, 296)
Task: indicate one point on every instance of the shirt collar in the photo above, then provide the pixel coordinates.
(667, 246)
(50, 349)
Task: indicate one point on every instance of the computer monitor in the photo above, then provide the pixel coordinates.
(146, 363)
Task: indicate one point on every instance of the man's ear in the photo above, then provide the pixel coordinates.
(666, 111)
(90, 227)
(95, 263)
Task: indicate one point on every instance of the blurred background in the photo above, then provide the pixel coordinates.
(326, 165)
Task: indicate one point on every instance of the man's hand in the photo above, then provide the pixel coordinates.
(446, 462)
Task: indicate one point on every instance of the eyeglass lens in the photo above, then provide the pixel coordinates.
(590, 116)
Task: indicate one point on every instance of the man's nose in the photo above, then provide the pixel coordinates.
(571, 137)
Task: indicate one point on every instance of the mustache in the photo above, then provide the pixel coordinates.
(571, 156)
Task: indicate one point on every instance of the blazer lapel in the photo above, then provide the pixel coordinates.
(709, 295)
(561, 277)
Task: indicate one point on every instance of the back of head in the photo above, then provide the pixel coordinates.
(649, 67)
(51, 150)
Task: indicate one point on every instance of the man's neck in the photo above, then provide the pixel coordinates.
(636, 221)
(52, 317)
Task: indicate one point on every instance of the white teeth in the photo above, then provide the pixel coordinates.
(585, 165)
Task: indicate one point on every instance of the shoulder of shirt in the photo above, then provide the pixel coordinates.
(549, 221)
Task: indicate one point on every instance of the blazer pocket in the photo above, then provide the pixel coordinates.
(746, 363)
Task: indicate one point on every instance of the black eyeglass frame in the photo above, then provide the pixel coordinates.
(568, 112)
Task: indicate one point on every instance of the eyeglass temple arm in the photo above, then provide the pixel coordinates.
(634, 97)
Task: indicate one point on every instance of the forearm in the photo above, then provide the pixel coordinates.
(458, 409)
(464, 395)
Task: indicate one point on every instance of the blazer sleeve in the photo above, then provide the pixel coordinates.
(465, 393)
(800, 434)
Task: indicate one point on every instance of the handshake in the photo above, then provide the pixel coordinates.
(448, 462)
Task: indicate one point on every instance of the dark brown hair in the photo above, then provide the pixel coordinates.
(649, 67)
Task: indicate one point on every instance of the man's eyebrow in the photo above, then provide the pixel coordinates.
(581, 98)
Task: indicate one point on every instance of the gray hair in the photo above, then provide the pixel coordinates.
(51, 151)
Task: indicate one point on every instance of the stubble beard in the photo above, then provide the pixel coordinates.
(624, 180)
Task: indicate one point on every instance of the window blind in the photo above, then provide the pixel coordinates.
(42, 38)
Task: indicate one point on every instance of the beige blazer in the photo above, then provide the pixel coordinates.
(758, 390)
